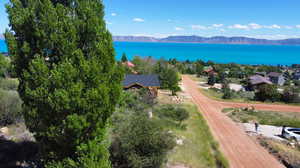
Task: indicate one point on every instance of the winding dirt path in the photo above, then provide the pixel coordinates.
(241, 151)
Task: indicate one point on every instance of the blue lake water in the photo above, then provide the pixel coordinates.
(222, 53)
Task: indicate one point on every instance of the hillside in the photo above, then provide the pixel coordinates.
(210, 40)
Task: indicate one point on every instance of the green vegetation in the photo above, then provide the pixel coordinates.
(10, 102)
(169, 79)
(10, 107)
(143, 65)
(211, 79)
(199, 69)
(144, 130)
(218, 95)
(138, 140)
(199, 149)
(124, 58)
(9, 84)
(289, 119)
(291, 95)
(169, 111)
(69, 82)
(227, 92)
(4, 65)
(267, 92)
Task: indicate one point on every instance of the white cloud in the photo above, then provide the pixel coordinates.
(274, 36)
(238, 26)
(109, 23)
(113, 14)
(217, 25)
(138, 20)
(178, 28)
(274, 26)
(198, 27)
(254, 26)
(298, 26)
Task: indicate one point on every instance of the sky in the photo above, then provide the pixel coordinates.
(271, 19)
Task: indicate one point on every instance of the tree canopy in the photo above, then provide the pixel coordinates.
(124, 58)
(64, 58)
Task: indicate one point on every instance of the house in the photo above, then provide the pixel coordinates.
(209, 70)
(150, 82)
(264, 74)
(128, 64)
(257, 80)
(276, 78)
(296, 75)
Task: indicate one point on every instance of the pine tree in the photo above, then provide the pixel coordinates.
(69, 82)
(124, 58)
(211, 79)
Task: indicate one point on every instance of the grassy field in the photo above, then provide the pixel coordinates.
(199, 149)
(212, 94)
(289, 119)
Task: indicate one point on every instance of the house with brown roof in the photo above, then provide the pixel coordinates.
(150, 82)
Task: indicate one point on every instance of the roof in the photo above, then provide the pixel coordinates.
(143, 80)
(274, 74)
(208, 69)
(257, 79)
(129, 64)
(261, 73)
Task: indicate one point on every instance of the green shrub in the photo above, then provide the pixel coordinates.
(10, 107)
(9, 84)
(172, 112)
(140, 142)
(211, 79)
(291, 95)
(267, 92)
(228, 94)
(246, 95)
(4, 65)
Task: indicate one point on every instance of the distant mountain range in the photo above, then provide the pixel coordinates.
(209, 40)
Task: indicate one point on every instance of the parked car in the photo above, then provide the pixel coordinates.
(292, 133)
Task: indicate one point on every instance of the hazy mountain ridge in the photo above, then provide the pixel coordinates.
(211, 40)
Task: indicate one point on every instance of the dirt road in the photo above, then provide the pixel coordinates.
(240, 150)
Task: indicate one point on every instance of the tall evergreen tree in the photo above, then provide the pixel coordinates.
(69, 81)
(124, 58)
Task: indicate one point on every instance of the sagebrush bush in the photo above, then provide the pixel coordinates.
(9, 84)
(246, 95)
(10, 107)
(173, 112)
(140, 142)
